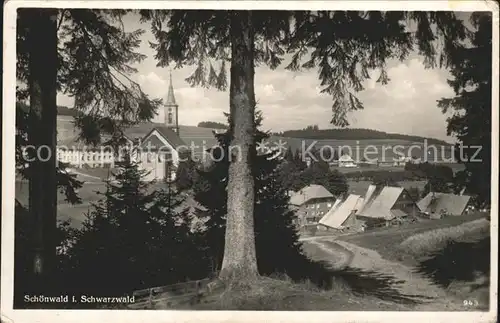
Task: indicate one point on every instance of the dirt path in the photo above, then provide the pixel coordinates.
(338, 256)
(344, 254)
(412, 283)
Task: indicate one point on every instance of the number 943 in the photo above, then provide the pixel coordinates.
(470, 302)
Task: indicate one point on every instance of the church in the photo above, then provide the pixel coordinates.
(157, 145)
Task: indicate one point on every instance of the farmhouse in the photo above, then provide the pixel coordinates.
(437, 204)
(385, 206)
(342, 216)
(311, 203)
(346, 161)
(156, 145)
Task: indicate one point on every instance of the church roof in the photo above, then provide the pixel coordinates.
(197, 139)
(168, 134)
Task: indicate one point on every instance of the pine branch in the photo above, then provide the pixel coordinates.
(106, 66)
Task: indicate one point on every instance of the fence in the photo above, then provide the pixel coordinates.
(175, 295)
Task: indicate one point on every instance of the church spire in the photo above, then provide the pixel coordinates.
(170, 96)
(171, 108)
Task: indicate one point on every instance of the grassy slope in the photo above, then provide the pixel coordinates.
(360, 187)
(282, 294)
(384, 240)
(456, 258)
(453, 252)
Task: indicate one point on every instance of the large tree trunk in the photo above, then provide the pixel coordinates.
(43, 136)
(240, 260)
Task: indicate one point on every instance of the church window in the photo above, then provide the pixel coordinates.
(170, 118)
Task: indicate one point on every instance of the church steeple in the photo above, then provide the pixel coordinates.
(171, 108)
(171, 96)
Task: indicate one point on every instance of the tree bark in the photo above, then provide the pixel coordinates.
(240, 260)
(42, 134)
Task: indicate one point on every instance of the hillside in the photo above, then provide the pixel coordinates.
(387, 146)
(313, 132)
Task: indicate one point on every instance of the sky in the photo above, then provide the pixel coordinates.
(292, 100)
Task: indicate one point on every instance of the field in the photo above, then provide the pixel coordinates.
(360, 187)
(346, 170)
(452, 253)
(440, 262)
(74, 213)
(384, 240)
(87, 192)
(381, 149)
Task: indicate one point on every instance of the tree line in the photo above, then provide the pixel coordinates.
(313, 132)
(213, 125)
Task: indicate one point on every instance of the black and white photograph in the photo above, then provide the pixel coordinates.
(257, 156)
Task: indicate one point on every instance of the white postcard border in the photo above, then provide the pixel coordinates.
(8, 172)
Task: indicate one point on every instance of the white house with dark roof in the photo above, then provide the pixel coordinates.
(165, 141)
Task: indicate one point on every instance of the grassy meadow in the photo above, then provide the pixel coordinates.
(385, 240)
(360, 187)
(453, 252)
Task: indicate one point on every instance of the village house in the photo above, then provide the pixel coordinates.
(311, 203)
(342, 216)
(401, 161)
(386, 206)
(436, 205)
(346, 161)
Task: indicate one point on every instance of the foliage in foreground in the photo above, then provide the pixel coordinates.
(134, 238)
(471, 108)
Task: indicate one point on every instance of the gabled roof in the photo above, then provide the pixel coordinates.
(450, 203)
(381, 205)
(336, 204)
(369, 196)
(167, 134)
(345, 158)
(339, 213)
(310, 192)
(201, 139)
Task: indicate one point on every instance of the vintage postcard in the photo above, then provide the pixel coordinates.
(242, 161)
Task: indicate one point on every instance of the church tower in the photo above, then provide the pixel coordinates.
(171, 109)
